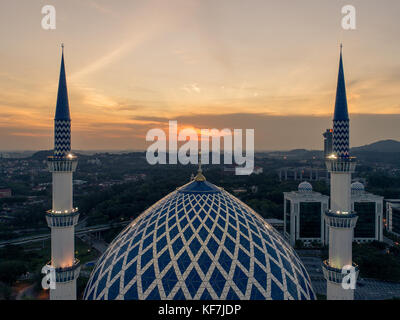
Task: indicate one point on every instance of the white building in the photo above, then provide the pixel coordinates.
(369, 209)
(304, 214)
(393, 216)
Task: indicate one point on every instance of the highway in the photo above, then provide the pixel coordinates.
(78, 232)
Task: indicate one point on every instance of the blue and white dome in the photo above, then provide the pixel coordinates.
(305, 187)
(357, 187)
(199, 242)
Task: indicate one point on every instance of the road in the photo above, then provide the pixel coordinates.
(79, 231)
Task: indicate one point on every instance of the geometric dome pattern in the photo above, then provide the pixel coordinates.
(357, 186)
(199, 242)
(305, 187)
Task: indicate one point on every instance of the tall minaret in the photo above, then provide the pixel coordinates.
(63, 217)
(340, 219)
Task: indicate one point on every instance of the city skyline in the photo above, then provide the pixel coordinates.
(133, 68)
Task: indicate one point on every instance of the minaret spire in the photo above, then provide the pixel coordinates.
(62, 108)
(62, 120)
(341, 115)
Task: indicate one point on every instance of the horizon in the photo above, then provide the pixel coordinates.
(144, 150)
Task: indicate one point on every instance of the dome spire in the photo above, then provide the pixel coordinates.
(200, 176)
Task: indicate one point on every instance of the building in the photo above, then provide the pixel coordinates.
(302, 174)
(63, 217)
(199, 242)
(393, 216)
(369, 209)
(276, 223)
(5, 192)
(328, 142)
(304, 214)
(340, 219)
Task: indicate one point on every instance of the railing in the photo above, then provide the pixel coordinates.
(62, 164)
(68, 273)
(62, 220)
(340, 164)
(334, 274)
(340, 219)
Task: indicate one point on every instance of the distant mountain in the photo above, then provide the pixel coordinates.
(42, 155)
(379, 146)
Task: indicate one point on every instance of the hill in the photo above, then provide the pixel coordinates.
(379, 146)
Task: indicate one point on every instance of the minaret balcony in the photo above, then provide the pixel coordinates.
(62, 164)
(340, 165)
(334, 274)
(341, 219)
(58, 219)
(66, 274)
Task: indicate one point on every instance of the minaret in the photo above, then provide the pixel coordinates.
(340, 219)
(63, 217)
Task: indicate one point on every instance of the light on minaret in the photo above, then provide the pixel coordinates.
(63, 217)
(340, 219)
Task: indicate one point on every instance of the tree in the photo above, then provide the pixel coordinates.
(299, 244)
(11, 270)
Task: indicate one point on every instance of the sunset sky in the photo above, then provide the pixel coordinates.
(258, 64)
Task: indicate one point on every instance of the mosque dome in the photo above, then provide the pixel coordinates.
(199, 242)
(305, 187)
(357, 186)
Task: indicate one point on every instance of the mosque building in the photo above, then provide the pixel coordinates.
(199, 242)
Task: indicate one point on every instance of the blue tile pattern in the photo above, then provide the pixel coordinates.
(62, 137)
(205, 244)
(341, 117)
(341, 137)
(62, 121)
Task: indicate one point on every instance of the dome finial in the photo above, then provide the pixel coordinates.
(200, 176)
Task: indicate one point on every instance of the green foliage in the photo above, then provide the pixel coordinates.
(376, 262)
(5, 291)
(299, 244)
(10, 270)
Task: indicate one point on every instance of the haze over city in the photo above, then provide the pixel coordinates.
(133, 65)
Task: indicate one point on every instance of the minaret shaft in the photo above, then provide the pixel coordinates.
(341, 191)
(62, 191)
